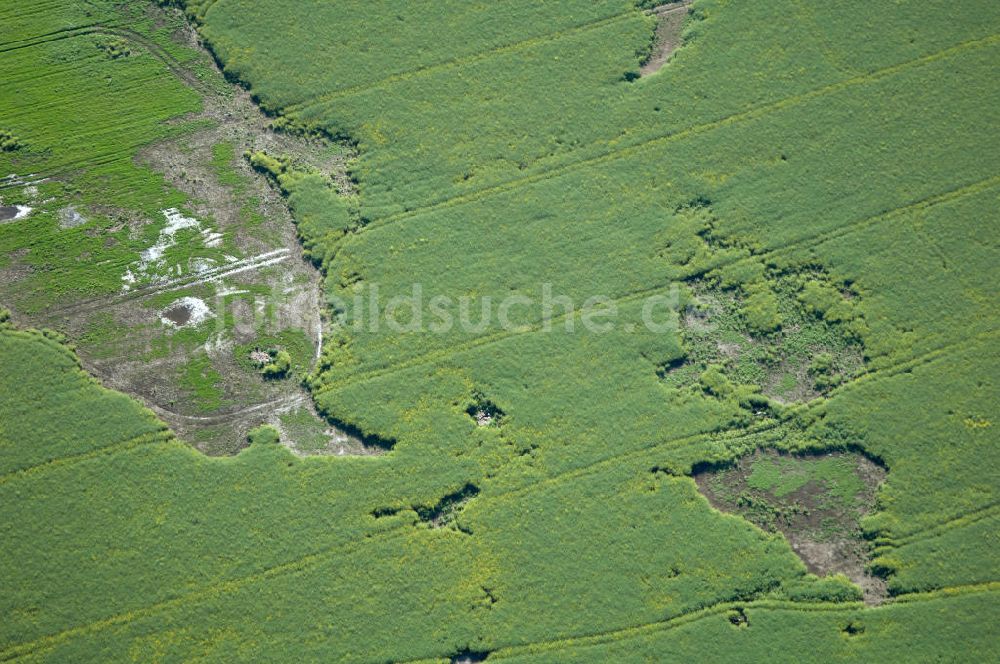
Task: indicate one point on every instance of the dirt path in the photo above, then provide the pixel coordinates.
(670, 19)
(271, 406)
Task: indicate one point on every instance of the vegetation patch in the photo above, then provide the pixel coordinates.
(442, 514)
(445, 512)
(9, 142)
(815, 501)
(484, 412)
(203, 382)
(114, 47)
(772, 337)
(264, 435)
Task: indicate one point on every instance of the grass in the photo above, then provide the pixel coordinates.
(783, 476)
(828, 172)
(307, 430)
(200, 378)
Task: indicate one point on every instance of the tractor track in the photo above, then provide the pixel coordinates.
(251, 263)
(222, 418)
(813, 239)
(754, 113)
(886, 544)
(154, 49)
(459, 61)
(148, 438)
(398, 530)
(500, 652)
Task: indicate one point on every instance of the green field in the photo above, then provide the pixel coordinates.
(811, 189)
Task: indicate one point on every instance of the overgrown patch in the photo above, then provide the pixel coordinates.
(442, 514)
(9, 142)
(114, 47)
(308, 434)
(322, 211)
(790, 331)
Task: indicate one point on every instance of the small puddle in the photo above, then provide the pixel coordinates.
(179, 315)
(185, 311)
(14, 212)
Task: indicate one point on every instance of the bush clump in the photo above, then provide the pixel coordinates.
(322, 216)
(9, 142)
(114, 48)
(279, 367)
(761, 311)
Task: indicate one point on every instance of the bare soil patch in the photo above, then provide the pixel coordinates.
(815, 501)
(667, 39)
(195, 373)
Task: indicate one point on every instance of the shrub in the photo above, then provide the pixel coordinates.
(9, 142)
(280, 367)
(761, 311)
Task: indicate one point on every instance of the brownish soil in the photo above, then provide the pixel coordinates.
(824, 535)
(668, 35)
(269, 259)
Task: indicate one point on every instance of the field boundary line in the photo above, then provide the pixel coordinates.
(162, 435)
(811, 239)
(754, 113)
(931, 531)
(581, 28)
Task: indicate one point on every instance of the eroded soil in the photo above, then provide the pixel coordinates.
(239, 256)
(670, 22)
(815, 501)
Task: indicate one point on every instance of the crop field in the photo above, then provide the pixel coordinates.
(579, 331)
